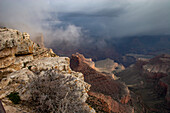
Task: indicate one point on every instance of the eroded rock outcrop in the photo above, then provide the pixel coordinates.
(149, 79)
(107, 103)
(102, 84)
(22, 61)
(16, 49)
(159, 64)
(159, 68)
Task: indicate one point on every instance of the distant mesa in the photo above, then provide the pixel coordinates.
(108, 66)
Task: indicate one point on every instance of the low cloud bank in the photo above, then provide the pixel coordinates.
(75, 21)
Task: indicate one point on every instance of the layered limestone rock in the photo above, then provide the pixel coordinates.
(17, 81)
(87, 61)
(59, 63)
(150, 81)
(16, 49)
(12, 38)
(101, 83)
(22, 61)
(159, 64)
(159, 67)
(7, 39)
(107, 104)
(27, 44)
(42, 52)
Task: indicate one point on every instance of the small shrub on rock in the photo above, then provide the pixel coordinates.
(55, 93)
(14, 97)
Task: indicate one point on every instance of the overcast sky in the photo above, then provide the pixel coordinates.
(74, 19)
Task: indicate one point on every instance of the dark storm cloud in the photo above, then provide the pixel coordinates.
(144, 18)
(100, 13)
(126, 18)
(72, 20)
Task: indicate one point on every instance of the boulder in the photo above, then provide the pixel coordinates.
(7, 39)
(12, 38)
(16, 49)
(25, 45)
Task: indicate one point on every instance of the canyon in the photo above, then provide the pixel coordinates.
(149, 79)
(103, 86)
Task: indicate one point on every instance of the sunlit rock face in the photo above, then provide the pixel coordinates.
(104, 85)
(159, 64)
(16, 49)
(22, 60)
(109, 66)
(107, 103)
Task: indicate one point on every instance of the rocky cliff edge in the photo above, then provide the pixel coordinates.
(22, 60)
